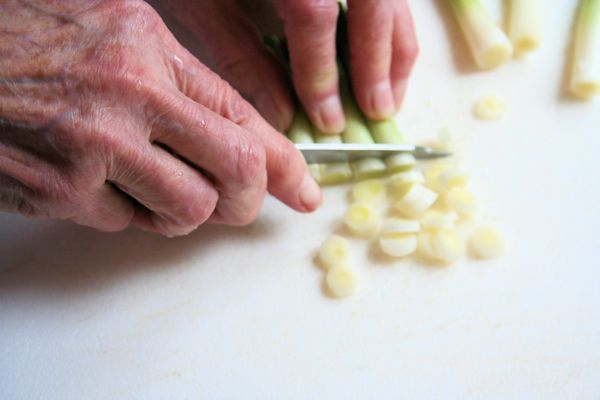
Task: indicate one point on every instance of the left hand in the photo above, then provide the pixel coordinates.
(234, 47)
(383, 48)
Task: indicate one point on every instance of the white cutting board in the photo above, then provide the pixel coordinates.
(229, 313)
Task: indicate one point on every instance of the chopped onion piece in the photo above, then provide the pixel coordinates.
(444, 245)
(400, 162)
(371, 191)
(399, 226)
(416, 201)
(362, 219)
(402, 178)
(332, 173)
(341, 281)
(462, 201)
(448, 245)
(490, 107)
(334, 252)
(444, 142)
(412, 195)
(436, 220)
(433, 171)
(401, 182)
(487, 242)
(425, 245)
(368, 168)
(398, 245)
(451, 178)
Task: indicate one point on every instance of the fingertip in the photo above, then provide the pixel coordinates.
(399, 90)
(289, 178)
(310, 194)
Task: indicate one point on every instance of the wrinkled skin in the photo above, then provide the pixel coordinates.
(105, 120)
(383, 49)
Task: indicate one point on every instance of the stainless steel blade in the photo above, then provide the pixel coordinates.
(346, 152)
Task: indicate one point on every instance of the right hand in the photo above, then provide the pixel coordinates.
(107, 121)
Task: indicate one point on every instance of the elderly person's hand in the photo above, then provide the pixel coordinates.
(107, 121)
(382, 42)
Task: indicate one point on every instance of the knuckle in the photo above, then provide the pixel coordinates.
(57, 196)
(410, 50)
(120, 224)
(186, 217)
(226, 101)
(315, 79)
(281, 160)
(249, 161)
(234, 107)
(136, 12)
(199, 211)
(245, 217)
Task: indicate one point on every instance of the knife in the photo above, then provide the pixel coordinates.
(346, 152)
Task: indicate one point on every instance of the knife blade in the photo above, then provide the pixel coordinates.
(347, 152)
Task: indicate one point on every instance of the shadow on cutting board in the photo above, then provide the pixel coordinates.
(62, 257)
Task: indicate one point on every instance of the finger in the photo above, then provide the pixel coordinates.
(405, 50)
(370, 26)
(310, 27)
(176, 197)
(232, 157)
(287, 173)
(39, 189)
(105, 209)
(233, 44)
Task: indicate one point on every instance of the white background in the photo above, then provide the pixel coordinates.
(239, 312)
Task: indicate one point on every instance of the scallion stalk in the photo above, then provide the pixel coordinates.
(524, 25)
(356, 131)
(488, 43)
(332, 173)
(585, 78)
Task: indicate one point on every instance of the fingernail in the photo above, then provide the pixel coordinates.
(310, 193)
(382, 100)
(330, 115)
(399, 89)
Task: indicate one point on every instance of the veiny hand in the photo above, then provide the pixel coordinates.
(107, 121)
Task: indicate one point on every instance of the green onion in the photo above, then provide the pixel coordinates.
(387, 132)
(585, 78)
(332, 173)
(524, 25)
(356, 131)
(488, 43)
